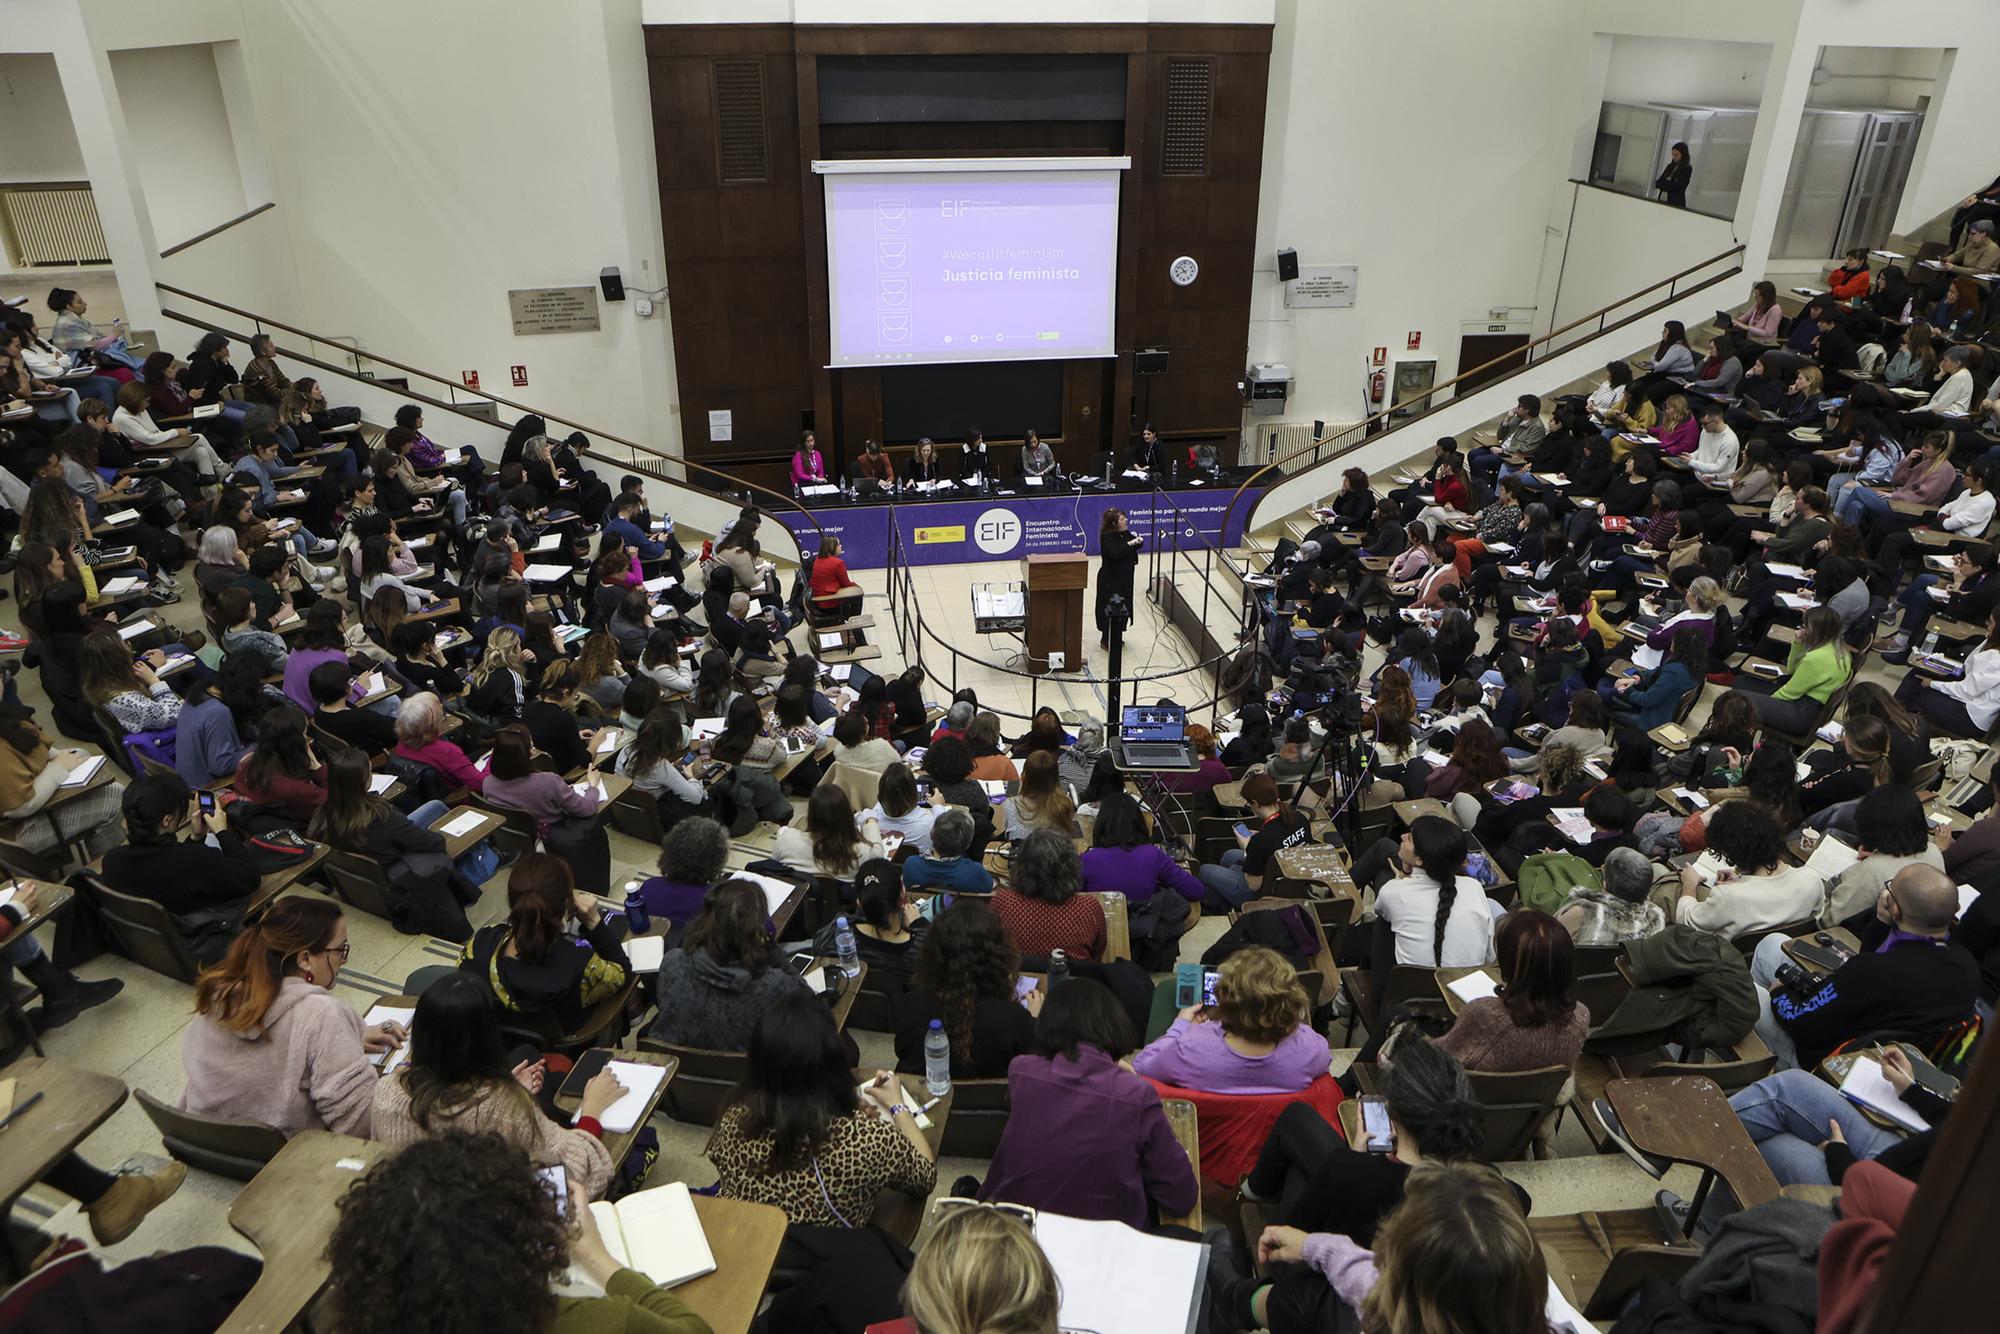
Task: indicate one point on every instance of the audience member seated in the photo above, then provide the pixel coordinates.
(833, 843)
(1124, 859)
(532, 962)
(1041, 802)
(1437, 916)
(393, 1267)
(1791, 1116)
(331, 684)
(1909, 983)
(693, 856)
(126, 689)
(428, 895)
(64, 994)
(1622, 910)
(564, 817)
(270, 1042)
(896, 810)
(206, 882)
(946, 867)
(420, 737)
(857, 748)
(31, 779)
(284, 770)
(968, 976)
(1274, 826)
(1085, 1136)
(1042, 906)
(1966, 706)
(725, 973)
(1890, 833)
(1533, 1022)
(799, 1134)
(1320, 1183)
(1755, 891)
(1456, 1254)
(888, 929)
(1255, 1039)
(461, 1079)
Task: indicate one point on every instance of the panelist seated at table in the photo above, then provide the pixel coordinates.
(875, 465)
(1037, 458)
(394, 1269)
(974, 464)
(808, 466)
(1148, 453)
(925, 465)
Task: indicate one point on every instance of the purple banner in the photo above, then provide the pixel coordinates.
(1005, 528)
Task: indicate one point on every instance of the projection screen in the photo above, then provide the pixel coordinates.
(971, 259)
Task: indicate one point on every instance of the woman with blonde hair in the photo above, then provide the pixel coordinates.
(271, 1043)
(1456, 1255)
(982, 1272)
(599, 674)
(1254, 1039)
(500, 681)
(1041, 802)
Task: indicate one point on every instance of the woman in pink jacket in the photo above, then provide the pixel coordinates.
(420, 737)
(270, 1042)
(808, 469)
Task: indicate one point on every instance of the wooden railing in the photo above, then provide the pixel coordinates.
(722, 482)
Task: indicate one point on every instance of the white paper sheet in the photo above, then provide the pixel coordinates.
(1162, 1276)
(1473, 986)
(462, 824)
(1868, 1086)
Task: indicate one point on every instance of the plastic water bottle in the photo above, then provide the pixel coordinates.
(843, 944)
(1930, 643)
(937, 1060)
(1058, 968)
(636, 917)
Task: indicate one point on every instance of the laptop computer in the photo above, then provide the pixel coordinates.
(1154, 736)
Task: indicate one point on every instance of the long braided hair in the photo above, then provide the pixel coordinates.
(1440, 849)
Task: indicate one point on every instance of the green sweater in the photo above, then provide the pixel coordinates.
(1815, 674)
(631, 1304)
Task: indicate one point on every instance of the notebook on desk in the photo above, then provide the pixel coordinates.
(656, 1232)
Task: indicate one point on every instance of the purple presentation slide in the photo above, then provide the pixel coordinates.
(970, 266)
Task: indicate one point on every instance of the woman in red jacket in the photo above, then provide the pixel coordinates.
(830, 579)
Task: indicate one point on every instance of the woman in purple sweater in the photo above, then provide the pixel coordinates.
(1086, 1136)
(1254, 1039)
(1123, 859)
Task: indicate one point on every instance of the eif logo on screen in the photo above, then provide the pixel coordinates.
(997, 532)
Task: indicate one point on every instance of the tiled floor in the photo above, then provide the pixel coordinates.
(136, 1037)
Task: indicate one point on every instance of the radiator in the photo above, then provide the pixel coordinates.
(1292, 444)
(54, 225)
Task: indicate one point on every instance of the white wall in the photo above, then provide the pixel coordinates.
(427, 159)
(41, 143)
(174, 109)
(1617, 244)
(959, 11)
(1685, 70)
(1441, 199)
(1874, 77)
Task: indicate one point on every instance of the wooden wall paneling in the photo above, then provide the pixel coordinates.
(734, 254)
(747, 262)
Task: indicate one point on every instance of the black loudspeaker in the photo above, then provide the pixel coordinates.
(1288, 265)
(613, 285)
(1149, 361)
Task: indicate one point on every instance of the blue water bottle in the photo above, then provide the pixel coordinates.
(636, 917)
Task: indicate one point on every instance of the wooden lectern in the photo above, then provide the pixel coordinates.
(1055, 609)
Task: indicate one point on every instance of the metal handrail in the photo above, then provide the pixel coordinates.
(732, 482)
(1360, 430)
(906, 613)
